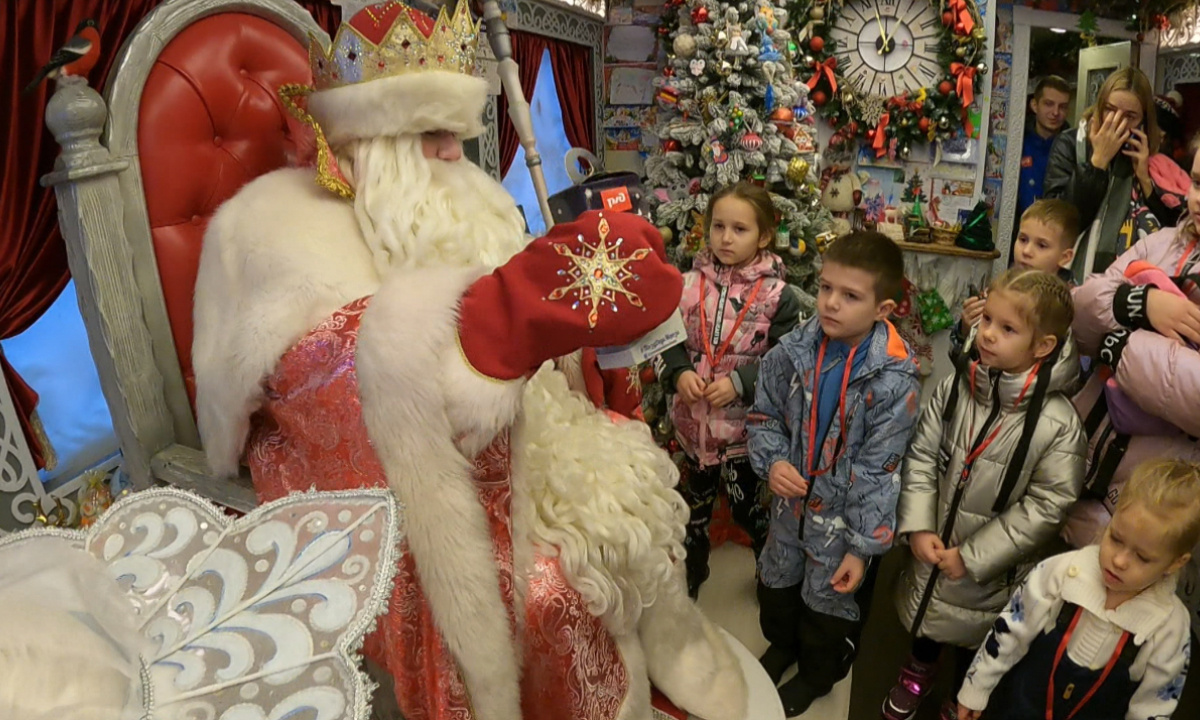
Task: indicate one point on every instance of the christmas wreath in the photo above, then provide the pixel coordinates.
(891, 124)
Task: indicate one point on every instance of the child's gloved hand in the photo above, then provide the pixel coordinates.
(690, 387)
(786, 481)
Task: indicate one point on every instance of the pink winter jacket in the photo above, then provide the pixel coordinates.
(709, 434)
(1160, 375)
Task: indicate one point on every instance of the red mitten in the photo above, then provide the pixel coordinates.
(614, 389)
(599, 281)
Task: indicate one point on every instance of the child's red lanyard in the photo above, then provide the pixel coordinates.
(1062, 649)
(978, 449)
(707, 341)
(812, 416)
(1187, 254)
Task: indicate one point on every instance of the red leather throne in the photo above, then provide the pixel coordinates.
(192, 116)
(210, 122)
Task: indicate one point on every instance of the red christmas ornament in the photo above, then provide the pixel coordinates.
(783, 115)
(751, 142)
(647, 375)
(947, 18)
(664, 30)
(819, 98)
(669, 71)
(852, 128)
(960, 29)
(670, 145)
(917, 106)
(789, 132)
(923, 124)
(699, 15)
(817, 43)
(945, 87)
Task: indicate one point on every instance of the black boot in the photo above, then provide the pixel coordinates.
(776, 661)
(696, 544)
(797, 696)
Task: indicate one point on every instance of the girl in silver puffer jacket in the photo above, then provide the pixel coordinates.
(997, 459)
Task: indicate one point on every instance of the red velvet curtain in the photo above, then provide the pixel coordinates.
(527, 52)
(572, 65)
(33, 259)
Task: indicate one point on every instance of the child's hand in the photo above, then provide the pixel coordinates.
(926, 547)
(785, 480)
(951, 564)
(690, 387)
(966, 713)
(1173, 316)
(972, 311)
(849, 574)
(720, 393)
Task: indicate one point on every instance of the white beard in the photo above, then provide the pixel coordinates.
(415, 212)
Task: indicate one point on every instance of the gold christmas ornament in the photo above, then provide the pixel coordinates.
(797, 171)
(668, 235)
(979, 34)
(817, 13)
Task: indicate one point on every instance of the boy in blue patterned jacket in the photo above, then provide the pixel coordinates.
(835, 406)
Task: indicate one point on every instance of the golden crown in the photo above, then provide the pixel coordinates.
(389, 39)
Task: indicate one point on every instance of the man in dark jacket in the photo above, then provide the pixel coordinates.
(1046, 118)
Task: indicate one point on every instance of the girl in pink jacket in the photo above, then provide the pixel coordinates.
(1140, 320)
(736, 305)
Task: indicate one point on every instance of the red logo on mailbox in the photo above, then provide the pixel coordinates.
(616, 199)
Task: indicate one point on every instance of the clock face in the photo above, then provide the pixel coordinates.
(888, 47)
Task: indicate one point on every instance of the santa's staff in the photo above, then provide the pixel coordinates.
(518, 106)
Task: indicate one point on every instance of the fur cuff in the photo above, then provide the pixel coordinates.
(408, 104)
(407, 354)
(689, 660)
(1129, 306)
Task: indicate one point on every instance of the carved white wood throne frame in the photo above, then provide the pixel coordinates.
(102, 214)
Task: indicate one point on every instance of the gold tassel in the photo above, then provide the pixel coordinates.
(329, 176)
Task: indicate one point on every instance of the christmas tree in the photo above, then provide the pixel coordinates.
(733, 109)
(914, 189)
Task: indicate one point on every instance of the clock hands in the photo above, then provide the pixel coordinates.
(886, 41)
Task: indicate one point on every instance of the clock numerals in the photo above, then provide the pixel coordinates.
(928, 72)
(931, 23)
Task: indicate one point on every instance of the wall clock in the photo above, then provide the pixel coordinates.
(896, 72)
(888, 47)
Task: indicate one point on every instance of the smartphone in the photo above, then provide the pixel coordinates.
(1128, 146)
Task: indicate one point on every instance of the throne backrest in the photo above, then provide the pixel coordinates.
(193, 115)
(209, 121)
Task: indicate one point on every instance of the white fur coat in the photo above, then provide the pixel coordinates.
(283, 255)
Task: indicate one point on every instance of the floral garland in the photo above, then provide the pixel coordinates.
(892, 125)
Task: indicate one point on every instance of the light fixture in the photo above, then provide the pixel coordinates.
(1059, 31)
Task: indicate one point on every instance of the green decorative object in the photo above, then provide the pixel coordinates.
(935, 316)
(976, 233)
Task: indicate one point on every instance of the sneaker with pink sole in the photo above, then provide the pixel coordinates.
(915, 681)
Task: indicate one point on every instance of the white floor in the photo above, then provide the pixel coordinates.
(728, 598)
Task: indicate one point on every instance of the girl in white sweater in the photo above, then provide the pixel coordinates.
(1099, 634)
